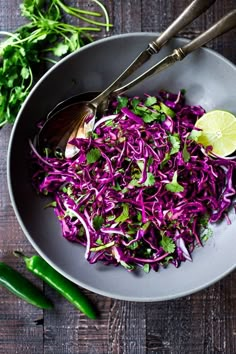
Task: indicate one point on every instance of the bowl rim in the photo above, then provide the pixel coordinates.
(17, 214)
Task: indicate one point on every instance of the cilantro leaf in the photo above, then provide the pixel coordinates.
(127, 266)
(151, 100)
(99, 242)
(150, 181)
(165, 160)
(206, 234)
(195, 134)
(186, 154)
(150, 117)
(139, 216)
(167, 260)
(135, 102)
(98, 222)
(174, 186)
(167, 244)
(124, 215)
(147, 114)
(51, 204)
(93, 155)
(167, 110)
(122, 102)
(140, 164)
(146, 225)
(146, 268)
(175, 142)
(156, 107)
(60, 49)
(25, 73)
(203, 220)
(133, 245)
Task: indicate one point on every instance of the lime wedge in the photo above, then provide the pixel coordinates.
(218, 130)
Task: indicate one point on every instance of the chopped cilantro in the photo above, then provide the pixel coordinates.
(167, 110)
(109, 123)
(206, 234)
(124, 215)
(150, 161)
(51, 204)
(111, 217)
(135, 102)
(203, 220)
(174, 186)
(99, 242)
(175, 142)
(93, 135)
(146, 268)
(140, 164)
(93, 155)
(139, 216)
(122, 102)
(167, 244)
(98, 222)
(156, 107)
(165, 160)
(151, 100)
(151, 117)
(195, 134)
(133, 245)
(186, 154)
(147, 114)
(167, 260)
(146, 225)
(127, 266)
(150, 181)
(117, 187)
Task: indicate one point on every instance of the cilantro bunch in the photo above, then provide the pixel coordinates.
(42, 39)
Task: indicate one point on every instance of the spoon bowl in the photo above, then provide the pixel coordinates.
(64, 122)
(85, 96)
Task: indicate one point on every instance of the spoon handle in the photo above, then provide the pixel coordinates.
(192, 11)
(224, 25)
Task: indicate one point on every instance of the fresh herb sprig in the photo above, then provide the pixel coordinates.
(43, 38)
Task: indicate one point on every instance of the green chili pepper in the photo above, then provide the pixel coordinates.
(65, 287)
(22, 287)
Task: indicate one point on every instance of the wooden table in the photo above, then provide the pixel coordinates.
(201, 323)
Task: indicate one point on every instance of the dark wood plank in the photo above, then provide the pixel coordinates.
(201, 323)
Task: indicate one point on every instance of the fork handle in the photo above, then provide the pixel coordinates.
(227, 23)
(224, 25)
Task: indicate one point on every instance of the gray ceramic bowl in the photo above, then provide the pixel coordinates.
(209, 80)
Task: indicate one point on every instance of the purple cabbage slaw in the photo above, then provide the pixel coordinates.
(141, 190)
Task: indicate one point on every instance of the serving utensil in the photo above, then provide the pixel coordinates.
(77, 119)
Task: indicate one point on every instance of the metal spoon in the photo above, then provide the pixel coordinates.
(76, 120)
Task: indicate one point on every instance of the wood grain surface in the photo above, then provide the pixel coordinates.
(202, 323)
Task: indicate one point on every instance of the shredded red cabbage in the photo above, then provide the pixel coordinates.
(141, 190)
